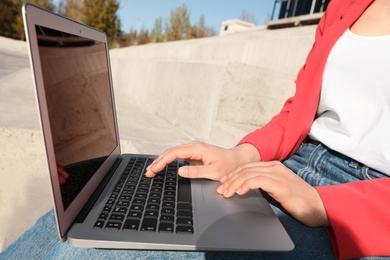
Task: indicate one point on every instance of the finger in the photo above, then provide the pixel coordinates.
(235, 182)
(198, 172)
(191, 151)
(61, 179)
(228, 189)
(267, 168)
(263, 182)
(161, 161)
(244, 172)
(62, 172)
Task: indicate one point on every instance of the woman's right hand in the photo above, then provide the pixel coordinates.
(211, 162)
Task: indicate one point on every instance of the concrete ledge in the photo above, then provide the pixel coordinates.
(193, 95)
(182, 92)
(252, 95)
(279, 50)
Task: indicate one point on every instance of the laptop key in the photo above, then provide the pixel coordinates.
(132, 224)
(119, 210)
(137, 208)
(149, 224)
(134, 214)
(99, 224)
(184, 206)
(151, 213)
(103, 215)
(170, 205)
(117, 217)
(185, 229)
(139, 202)
(152, 207)
(184, 221)
(167, 218)
(184, 191)
(154, 201)
(113, 225)
(184, 214)
(166, 227)
(168, 211)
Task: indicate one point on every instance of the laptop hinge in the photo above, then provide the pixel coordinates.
(92, 200)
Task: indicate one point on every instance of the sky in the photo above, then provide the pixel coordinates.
(143, 13)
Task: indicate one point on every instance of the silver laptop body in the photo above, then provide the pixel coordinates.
(72, 76)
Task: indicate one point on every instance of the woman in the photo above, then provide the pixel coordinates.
(340, 111)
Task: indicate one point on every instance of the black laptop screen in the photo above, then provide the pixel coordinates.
(76, 82)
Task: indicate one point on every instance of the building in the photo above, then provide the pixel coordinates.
(288, 13)
(234, 25)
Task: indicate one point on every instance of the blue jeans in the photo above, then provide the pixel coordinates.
(316, 164)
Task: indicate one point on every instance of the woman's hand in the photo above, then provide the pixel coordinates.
(296, 196)
(210, 161)
(63, 175)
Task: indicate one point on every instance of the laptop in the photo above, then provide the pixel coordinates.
(101, 197)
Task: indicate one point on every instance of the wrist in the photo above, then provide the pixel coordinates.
(320, 212)
(247, 153)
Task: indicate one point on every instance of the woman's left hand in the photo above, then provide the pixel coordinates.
(296, 196)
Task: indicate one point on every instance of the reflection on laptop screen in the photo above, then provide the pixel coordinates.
(79, 105)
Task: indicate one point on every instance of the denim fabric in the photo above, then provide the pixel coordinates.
(319, 166)
(316, 164)
(42, 242)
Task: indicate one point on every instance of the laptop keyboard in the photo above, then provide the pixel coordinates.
(160, 204)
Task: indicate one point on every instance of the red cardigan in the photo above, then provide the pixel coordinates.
(358, 211)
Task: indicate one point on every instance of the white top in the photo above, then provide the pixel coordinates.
(353, 116)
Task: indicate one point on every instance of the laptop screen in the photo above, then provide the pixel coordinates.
(79, 104)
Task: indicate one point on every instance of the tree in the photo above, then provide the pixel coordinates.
(157, 34)
(200, 30)
(143, 37)
(178, 23)
(72, 9)
(8, 14)
(101, 14)
(11, 21)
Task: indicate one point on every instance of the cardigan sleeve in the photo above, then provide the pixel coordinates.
(360, 219)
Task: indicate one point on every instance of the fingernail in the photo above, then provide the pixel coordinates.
(183, 171)
(220, 189)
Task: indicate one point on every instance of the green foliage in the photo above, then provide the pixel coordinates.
(176, 27)
(72, 9)
(11, 21)
(7, 18)
(100, 14)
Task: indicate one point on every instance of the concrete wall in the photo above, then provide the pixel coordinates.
(216, 89)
